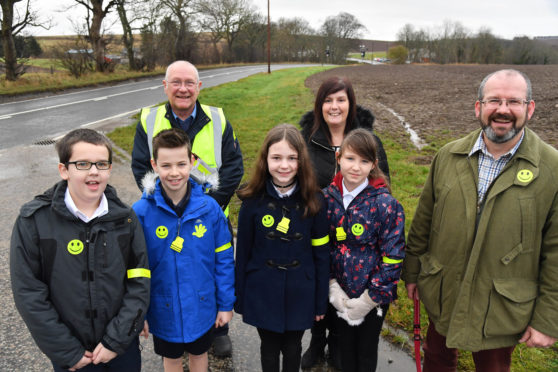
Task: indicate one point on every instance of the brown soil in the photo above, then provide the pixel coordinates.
(438, 101)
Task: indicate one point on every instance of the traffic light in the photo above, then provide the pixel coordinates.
(362, 54)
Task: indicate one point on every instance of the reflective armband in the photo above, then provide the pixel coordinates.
(320, 241)
(388, 260)
(139, 273)
(223, 247)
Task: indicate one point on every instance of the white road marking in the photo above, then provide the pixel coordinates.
(82, 101)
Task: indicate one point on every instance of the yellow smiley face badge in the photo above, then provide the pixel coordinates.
(162, 232)
(267, 220)
(524, 175)
(357, 229)
(75, 246)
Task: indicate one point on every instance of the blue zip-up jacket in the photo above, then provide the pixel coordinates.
(368, 240)
(191, 281)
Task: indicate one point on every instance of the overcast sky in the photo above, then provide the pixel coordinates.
(383, 19)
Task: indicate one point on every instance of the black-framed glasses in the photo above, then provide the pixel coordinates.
(497, 102)
(86, 165)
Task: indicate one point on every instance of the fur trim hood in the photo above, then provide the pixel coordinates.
(364, 119)
(208, 182)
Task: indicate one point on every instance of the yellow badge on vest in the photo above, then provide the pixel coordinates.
(340, 234)
(176, 245)
(525, 176)
(283, 225)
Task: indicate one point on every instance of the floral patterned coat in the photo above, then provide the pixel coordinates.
(367, 240)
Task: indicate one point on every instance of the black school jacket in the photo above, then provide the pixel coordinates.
(71, 280)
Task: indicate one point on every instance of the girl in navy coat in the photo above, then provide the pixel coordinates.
(367, 229)
(282, 257)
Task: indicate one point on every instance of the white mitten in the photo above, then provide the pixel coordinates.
(358, 308)
(337, 296)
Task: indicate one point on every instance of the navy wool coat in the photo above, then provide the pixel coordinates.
(282, 271)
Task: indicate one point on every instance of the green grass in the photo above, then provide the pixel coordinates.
(45, 63)
(257, 103)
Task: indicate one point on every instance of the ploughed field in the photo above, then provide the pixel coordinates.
(437, 101)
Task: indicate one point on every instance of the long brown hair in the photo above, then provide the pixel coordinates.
(362, 142)
(305, 175)
(329, 86)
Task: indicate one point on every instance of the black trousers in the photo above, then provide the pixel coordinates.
(319, 328)
(272, 344)
(359, 344)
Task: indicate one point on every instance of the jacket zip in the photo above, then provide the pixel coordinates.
(177, 275)
(328, 149)
(91, 311)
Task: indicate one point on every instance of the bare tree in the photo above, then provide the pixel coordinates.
(13, 22)
(224, 19)
(74, 56)
(252, 39)
(123, 8)
(485, 48)
(349, 27)
(339, 33)
(183, 11)
(293, 40)
(96, 13)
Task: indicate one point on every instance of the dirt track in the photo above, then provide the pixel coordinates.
(438, 101)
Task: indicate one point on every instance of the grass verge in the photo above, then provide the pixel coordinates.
(257, 103)
(38, 82)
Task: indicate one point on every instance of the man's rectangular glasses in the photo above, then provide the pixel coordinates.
(178, 84)
(86, 165)
(497, 102)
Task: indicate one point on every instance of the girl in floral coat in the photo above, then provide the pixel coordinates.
(367, 231)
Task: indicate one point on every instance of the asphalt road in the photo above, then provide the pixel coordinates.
(28, 121)
(29, 169)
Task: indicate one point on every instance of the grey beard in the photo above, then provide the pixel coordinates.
(489, 133)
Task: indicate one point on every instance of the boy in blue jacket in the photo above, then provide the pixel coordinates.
(190, 254)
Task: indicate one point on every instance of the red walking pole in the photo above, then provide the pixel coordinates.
(417, 334)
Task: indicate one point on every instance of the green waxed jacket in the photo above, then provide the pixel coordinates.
(484, 278)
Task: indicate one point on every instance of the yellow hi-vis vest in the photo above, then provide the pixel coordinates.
(207, 144)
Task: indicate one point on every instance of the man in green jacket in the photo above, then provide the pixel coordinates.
(483, 246)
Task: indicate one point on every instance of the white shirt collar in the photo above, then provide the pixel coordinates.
(348, 196)
(101, 210)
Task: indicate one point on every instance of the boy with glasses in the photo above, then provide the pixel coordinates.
(78, 264)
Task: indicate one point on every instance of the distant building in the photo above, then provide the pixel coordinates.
(551, 40)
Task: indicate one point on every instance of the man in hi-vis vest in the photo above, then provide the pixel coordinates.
(219, 163)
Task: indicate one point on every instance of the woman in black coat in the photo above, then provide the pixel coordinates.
(335, 114)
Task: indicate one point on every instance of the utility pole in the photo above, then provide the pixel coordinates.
(268, 41)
